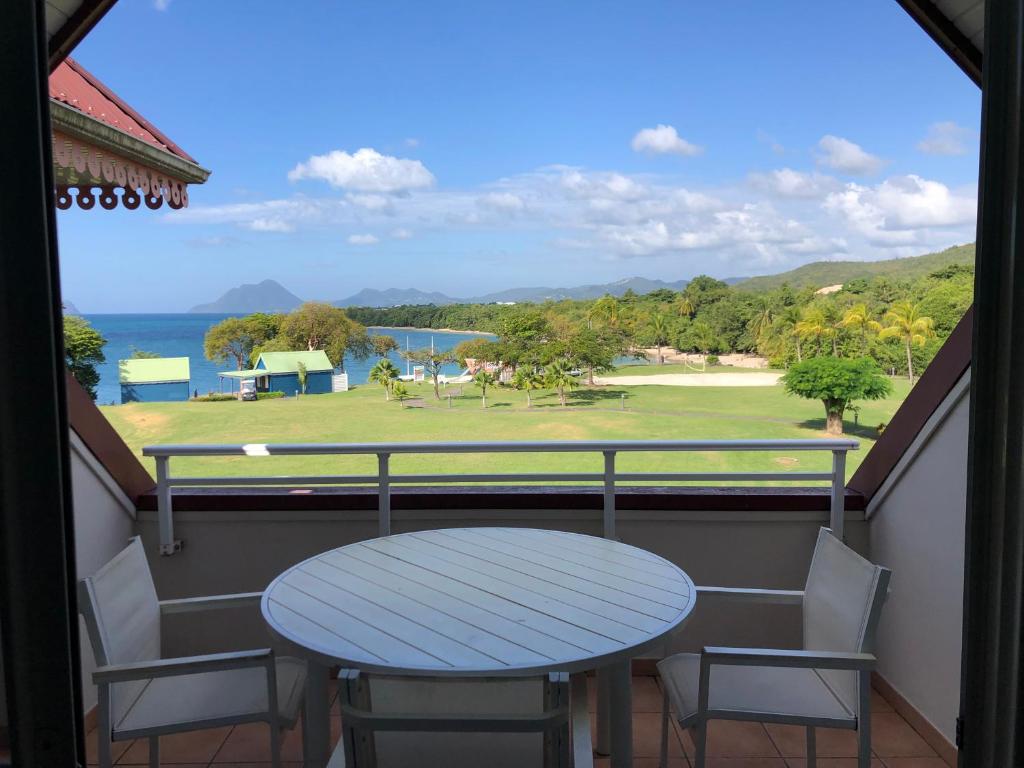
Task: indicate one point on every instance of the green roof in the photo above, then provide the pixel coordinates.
(249, 373)
(288, 362)
(153, 370)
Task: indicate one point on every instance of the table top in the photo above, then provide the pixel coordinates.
(478, 601)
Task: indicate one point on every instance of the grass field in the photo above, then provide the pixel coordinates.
(362, 415)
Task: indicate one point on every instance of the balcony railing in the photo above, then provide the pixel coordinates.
(383, 480)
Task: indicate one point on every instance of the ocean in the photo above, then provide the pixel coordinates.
(181, 335)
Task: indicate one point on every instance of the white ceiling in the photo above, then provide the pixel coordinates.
(968, 16)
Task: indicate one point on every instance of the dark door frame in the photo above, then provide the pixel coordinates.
(991, 727)
(38, 611)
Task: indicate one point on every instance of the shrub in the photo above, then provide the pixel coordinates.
(711, 360)
(214, 398)
(269, 395)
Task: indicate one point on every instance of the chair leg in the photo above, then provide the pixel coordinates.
(812, 748)
(864, 720)
(104, 745)
(700, 739)
(275, 743)
(663, 762)
(154, 752)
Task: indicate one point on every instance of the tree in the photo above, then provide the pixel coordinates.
(814, 326)
(605, 310)
(858, 317)
(384, 373)
(401, 392)
(318, 325)
(836, 382)
(230, 339)
(683, 306)
(83, 351)
(907, 323)
(483, 379)
(303, 375)
(526, 379)
(141, 354)
(703, 336)
(559, 377)
(658, 330)
(383, 344)
(595, 349)
(432, 361)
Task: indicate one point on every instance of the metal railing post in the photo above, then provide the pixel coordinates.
(609, 494)
(383, 495)
(165, 514)
(837, 511)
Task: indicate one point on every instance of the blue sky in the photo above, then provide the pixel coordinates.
(467, 147)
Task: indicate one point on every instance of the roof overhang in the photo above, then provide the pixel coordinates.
(957, 26)
(68, 21)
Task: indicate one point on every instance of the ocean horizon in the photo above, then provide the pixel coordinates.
(181, 335)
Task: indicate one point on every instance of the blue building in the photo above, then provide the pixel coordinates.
(150, 380)
(279, 372)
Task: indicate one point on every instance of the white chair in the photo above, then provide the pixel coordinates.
(396, 722)
(827, 684)
(142, 695)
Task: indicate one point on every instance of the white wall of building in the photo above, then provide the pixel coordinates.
(104, 520)
(916, 527)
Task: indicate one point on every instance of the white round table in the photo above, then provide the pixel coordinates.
(478, 601)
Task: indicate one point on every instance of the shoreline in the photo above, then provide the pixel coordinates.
(428, 330)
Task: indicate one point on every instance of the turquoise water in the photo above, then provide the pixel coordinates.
(181, 335)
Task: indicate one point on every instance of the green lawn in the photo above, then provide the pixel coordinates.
(362, 415)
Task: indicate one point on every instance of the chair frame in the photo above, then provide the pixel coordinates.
(565, 705)
(861, 663)
(107, 674)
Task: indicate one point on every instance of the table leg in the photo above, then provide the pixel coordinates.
(620, 686)
(316, 729)
(603, 746)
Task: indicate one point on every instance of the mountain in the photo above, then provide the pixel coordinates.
(268, 296)
(394, 297)
(70, 309)
(825, 273)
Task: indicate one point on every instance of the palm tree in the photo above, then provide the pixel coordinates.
(526, 380)
(559, 377)
(761, 323)
(659, 333)
(814, 325)
(606, 310)
(858, 317)
(483, 379)
(303, 375)
(384, 373)
(704, 337)
(906, 323)
(400, 391)
(683, 306)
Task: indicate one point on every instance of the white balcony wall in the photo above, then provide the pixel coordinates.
(244, 551)
(916, 527)
(104, 520)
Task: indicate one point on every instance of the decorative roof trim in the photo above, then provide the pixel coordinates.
(78, 125)
(946, 35)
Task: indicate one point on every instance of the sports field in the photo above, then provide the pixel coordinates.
(593, 413)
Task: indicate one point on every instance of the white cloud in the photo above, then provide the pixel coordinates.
(946, 138)
(366, 170)
(161, 5)
(401, 233)
(411, 142)
(664, 140)
(766, 138)
(786, 182)
(502, 201)
(371, 202)
(273, 224)
(365, 239)
(843, 155)
(902, 209)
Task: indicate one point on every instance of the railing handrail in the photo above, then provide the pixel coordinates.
(510, 446)
(384, 479)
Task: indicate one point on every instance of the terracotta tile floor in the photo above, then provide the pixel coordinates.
(730, 744)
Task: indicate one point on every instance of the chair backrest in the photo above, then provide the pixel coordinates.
(842, 602)
(427, 720)
(122, 616)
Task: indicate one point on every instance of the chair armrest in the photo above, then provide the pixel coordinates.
(741, 594)
(211, 603)
(772, 657)
(582, 747)
(186, 665)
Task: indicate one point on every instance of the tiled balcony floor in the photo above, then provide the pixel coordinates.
(730, 744)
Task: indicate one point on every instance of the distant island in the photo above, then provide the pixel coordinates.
(267, 296)
(69, 308)
(271, 296)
